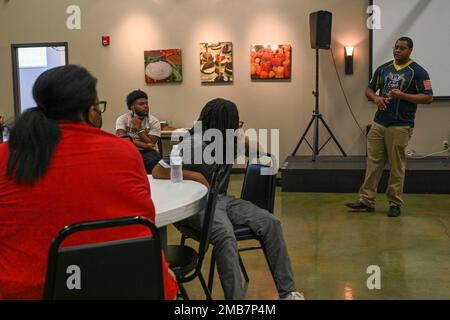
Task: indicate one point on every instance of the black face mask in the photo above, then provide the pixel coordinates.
(101, 123)
(86, 116)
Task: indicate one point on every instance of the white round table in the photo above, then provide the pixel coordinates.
(176, 201)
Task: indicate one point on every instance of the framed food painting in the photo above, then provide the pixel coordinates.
(216, 62)
(163, 66)
(270, 62)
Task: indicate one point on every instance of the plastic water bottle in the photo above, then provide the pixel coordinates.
(5, 134)
(176, 165)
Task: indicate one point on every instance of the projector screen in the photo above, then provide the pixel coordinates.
(427, 22)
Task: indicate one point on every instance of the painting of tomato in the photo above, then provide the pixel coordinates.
(270, 62)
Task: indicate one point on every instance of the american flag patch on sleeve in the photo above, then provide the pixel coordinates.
(427, 85)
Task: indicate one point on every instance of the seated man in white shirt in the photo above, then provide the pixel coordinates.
(143, 128)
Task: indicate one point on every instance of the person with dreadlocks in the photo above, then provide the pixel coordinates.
(222, 115)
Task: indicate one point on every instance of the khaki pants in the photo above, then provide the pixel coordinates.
(385, 143)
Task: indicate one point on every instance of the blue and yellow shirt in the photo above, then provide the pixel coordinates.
(410, 78)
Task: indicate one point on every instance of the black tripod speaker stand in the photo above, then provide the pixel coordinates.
(316, 117)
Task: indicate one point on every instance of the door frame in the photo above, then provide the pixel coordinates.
(15, 66)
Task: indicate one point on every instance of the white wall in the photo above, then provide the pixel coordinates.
(138, 25)
(28, 75)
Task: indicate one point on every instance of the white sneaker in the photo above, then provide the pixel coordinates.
(294, 295)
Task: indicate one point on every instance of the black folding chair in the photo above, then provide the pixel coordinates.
(124, 269)
(184, 261)
(259, 189)
(160, 146)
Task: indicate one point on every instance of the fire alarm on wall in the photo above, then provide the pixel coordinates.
(106, 41)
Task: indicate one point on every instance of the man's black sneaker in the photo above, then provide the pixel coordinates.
(359, 206)
(394, 211)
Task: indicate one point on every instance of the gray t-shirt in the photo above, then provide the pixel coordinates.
(195, 144)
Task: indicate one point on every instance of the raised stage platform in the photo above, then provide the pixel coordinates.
(338, 174)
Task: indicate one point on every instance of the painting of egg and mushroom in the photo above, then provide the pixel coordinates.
(163, 66)
(216, 62)
(270, 62)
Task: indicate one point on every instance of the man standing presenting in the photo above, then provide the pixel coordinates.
(143, 128)
(402, 84)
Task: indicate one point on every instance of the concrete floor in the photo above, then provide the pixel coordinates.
(331, 248)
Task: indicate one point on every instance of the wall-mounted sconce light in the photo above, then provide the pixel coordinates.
(349, 60)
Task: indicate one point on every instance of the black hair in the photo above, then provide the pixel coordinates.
(222, 115)
(219, 114)
(135, 95)
(408, 40)
(62, 93)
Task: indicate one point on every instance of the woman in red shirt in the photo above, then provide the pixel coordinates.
(58, 169)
